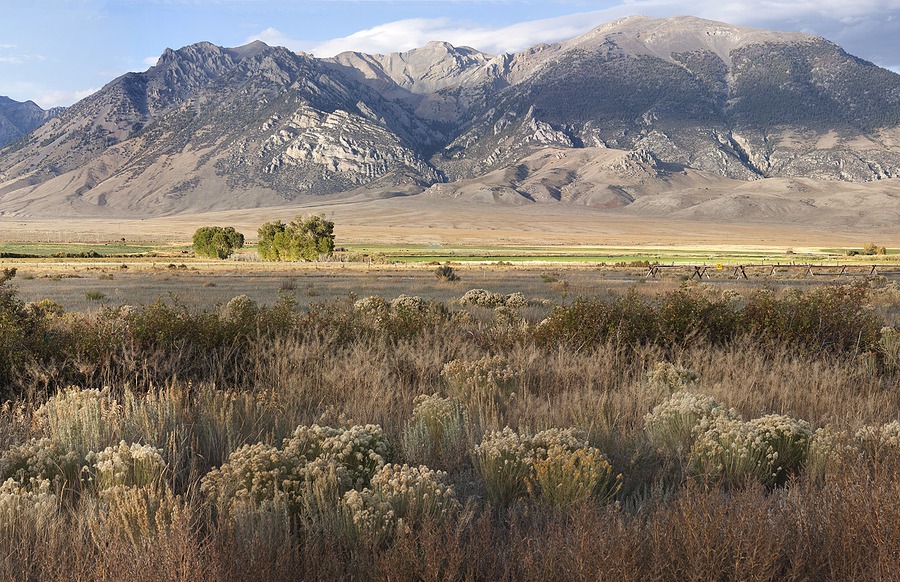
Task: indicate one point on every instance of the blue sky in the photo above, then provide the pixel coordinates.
(55, 52)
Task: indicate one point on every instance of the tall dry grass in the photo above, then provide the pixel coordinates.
(198, 388)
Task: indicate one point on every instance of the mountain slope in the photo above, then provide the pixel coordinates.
(675, 102)
(738, 102)
(18, 119)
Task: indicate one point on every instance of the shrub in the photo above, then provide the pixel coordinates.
(81, 420)
(670, 425)
(483, 385)
(769, 449)
(827, 453)
(217, 242)
(262, 476)
(567, 438)
(503, 461)
(408, 306)
(361, 450)
(507, 463)
(667, 378)
(25, 335)
(41, 459)
(873, 249)
(376, 308)
(437, 433)
(241, 309)
(26, 510)
(565, 477)
(446, 273)
(136, 516)
(127, 465)
(267, 477)
(878, 439)
(588, 323)
(399, 499)
(515, 300)
(828, 319)
(481, 298)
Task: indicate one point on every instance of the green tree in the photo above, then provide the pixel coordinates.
(304, 239)
(271, 238)
(217, 242)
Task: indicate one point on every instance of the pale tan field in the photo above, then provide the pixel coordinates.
(418, 220)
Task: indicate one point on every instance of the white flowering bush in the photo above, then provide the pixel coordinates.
(769, 449)
(828, 450)
(511, 464)
(43, 459)
(373, 307)
(569, 439)
(399, 498)
(241, 308)
(26, 508)
(515, 300)
(437, 433)
(485, 386)
(564, 476)
(482, 298)
(264, 476)
(503, 460)
(81, 420)
(408, 305)
(670, 425)
(879, 439)
(667, 378)
(257, 475)
(131, 465)
(362, 450)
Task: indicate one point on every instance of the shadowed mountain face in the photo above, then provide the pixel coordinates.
(215, 128)
(18, 119)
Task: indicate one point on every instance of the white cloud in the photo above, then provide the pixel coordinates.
(12, 59)
(151, 61)
(63, 98)
(274, 37)
(406, 34)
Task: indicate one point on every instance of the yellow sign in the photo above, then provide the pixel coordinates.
(719, 266)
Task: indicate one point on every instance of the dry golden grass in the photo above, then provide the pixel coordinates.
(842, 522)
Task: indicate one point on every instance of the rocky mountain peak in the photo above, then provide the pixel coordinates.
(20, 118)
(435, 66)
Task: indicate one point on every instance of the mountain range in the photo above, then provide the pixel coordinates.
(643, 115)
(19, 119)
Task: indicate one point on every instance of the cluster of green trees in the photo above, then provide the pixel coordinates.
(217, 242)
(303, 239)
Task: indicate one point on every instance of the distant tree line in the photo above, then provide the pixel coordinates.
(305, 238)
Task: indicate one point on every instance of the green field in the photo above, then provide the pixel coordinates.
(598, 254)
(117, 249)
